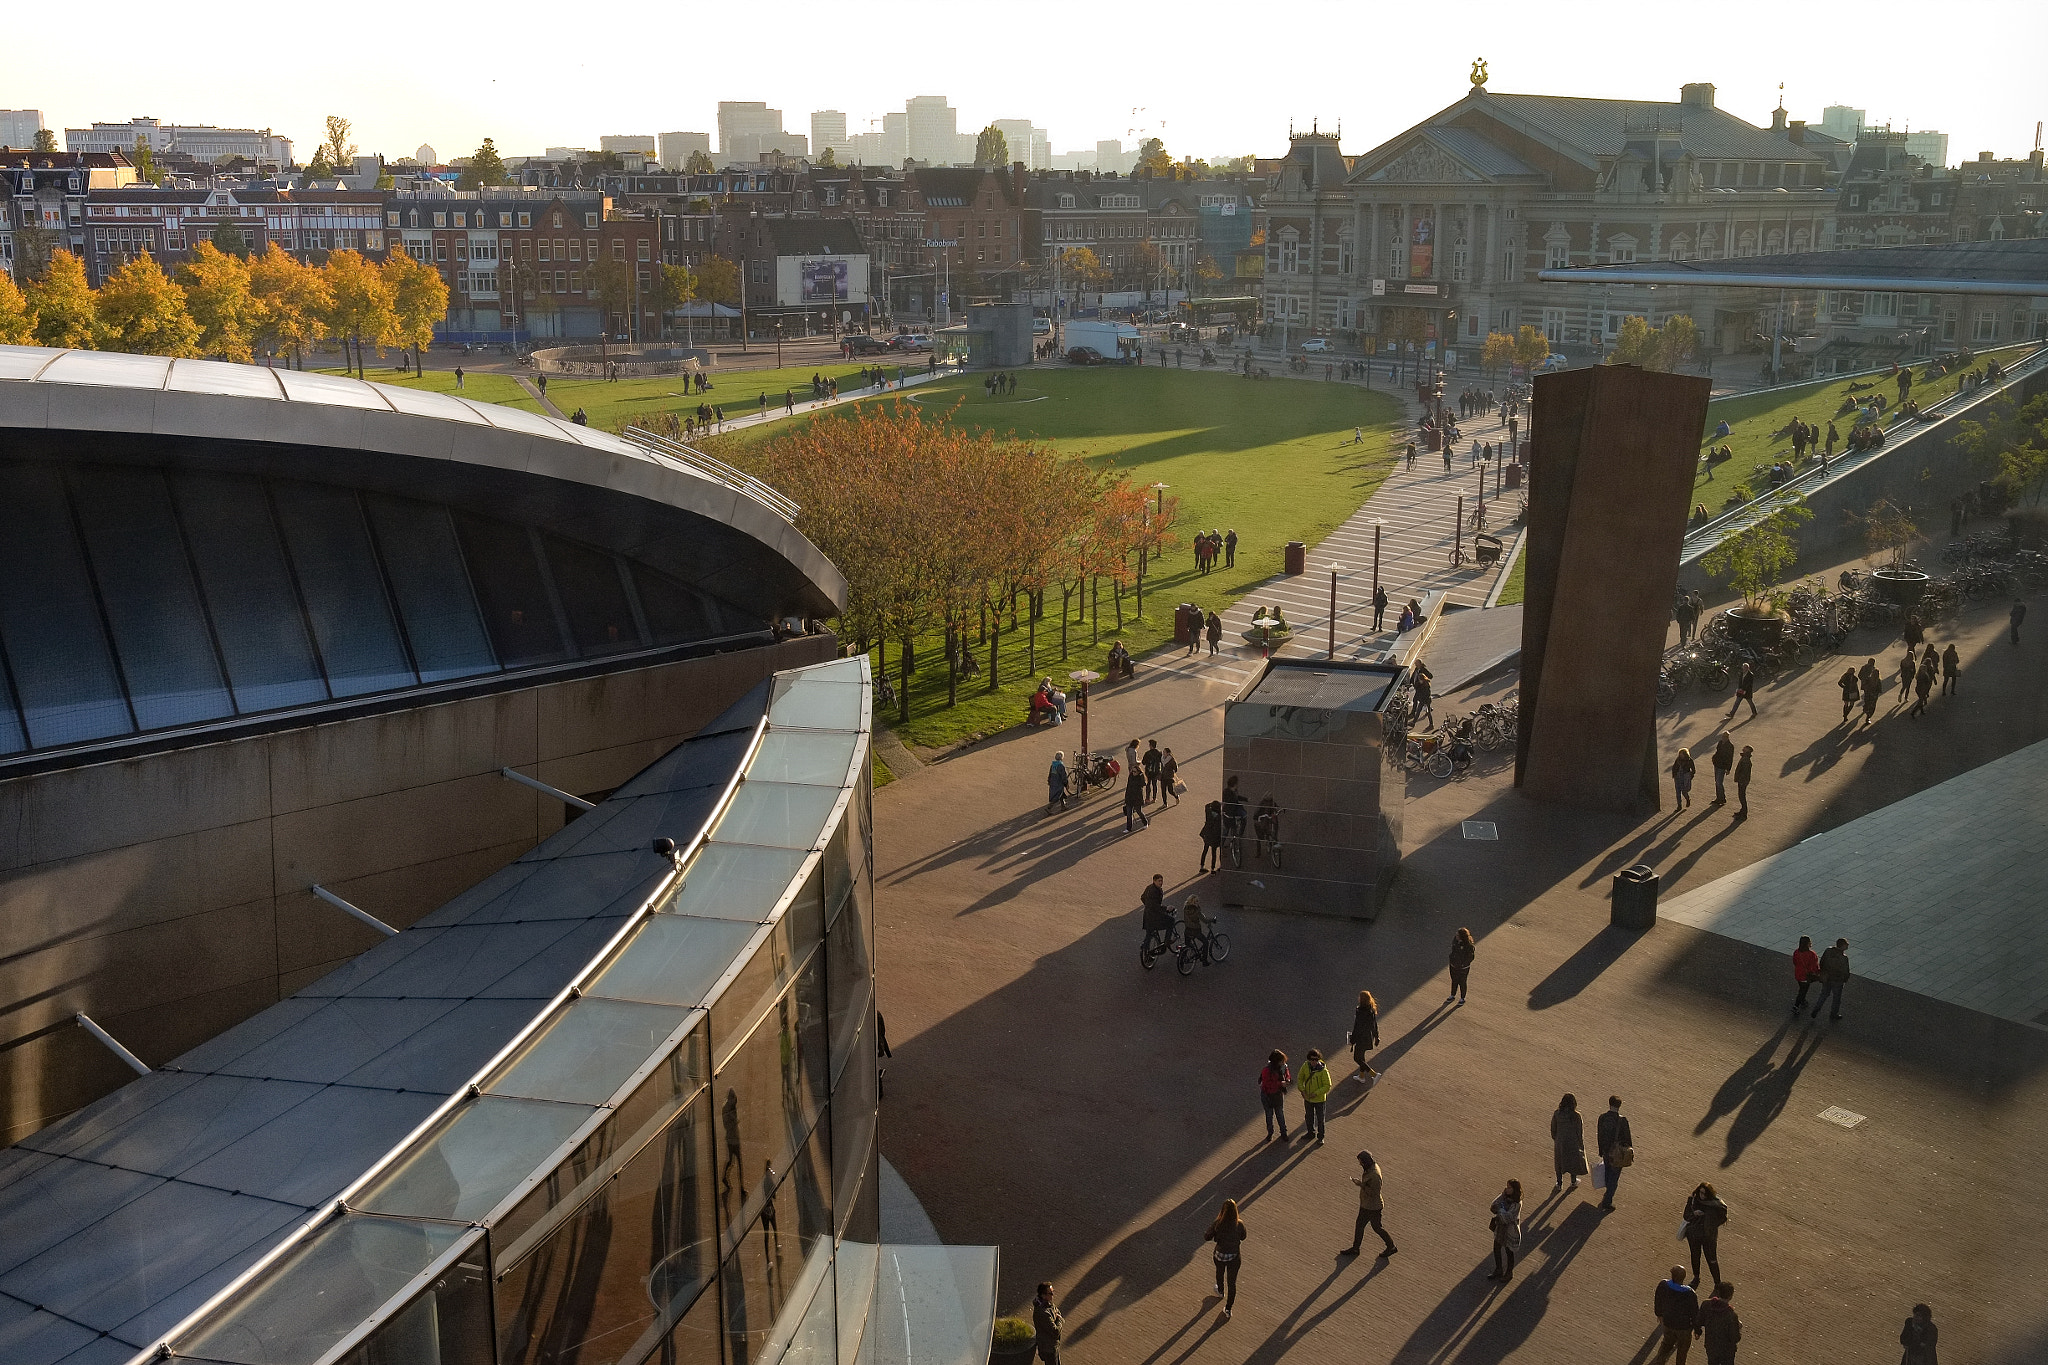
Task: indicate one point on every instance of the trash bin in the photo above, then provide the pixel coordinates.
(1514, 473)
(1635, 898)
(1297, 557)
(1187, 623)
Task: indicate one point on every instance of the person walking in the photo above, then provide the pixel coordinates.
(1365, 1035)
(1048, 1324)
(1230, 548)
(1507, 1230)
(1704, 1215)
(1379, 607)
(1150, 763)
(1422, 706)
(1951, 669)
(1805, 970)
(1745, 691)
(1056, 782)
(1720, 1329)
(1852, 688)
(2018, 614)
(1617, 1147)
(1678, 1311)
(1873, 688)
(1923, 681)
(1228, 1233)
(1215, 633)
(1919, 1336)
(1908, 666)
(1682, 769)
(1274, 1078)
(1567, 1142)
(1134, 800)
(1744, 767)
(1724, 759)
(1463, 952)
(1212, 838)
(1169, 773)
(1411, 457)
(1315, 1085)
(1370, 1207)
(1834, 975)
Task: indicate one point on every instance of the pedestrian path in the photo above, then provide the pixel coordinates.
(533, 391)
(1944, 893)
(1416, 511)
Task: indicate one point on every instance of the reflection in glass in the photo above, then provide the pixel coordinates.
(242, 573)
(849, 974)
(768, 1279)
(672, 959)
(769, 1094)
(606, 1284)
(854, 1268)
(593, 596)
(587, 1051)
(49, 622)
(447, 1323)
(676, 613)
(474, 1158)
(440, 613)
(344, 592)
(517, 608)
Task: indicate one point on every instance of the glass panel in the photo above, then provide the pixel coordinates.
(152, 603)
(768, 1275)
(849, 975)
(447, 1323)
(854, 1266)
(255, 609)
(589, 1050)
(474, 1158)
(343, 589)
(853, 1128)
(593, 596)
(673, 960)
(735, 881)
(778, 814)
(838, 869)
(49, 618)
(432, 588)
(675, 613)
(695, 1339)
(606, 1284)
(514, 596)
(821, 759)
(817, 1337)
(948, 1305)
(819, 705)
(758, 985)
(322, 1291)
(13, 739)
(769, 1093)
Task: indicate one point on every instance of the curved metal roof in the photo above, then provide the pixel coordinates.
(424, 1089)
(693, 520)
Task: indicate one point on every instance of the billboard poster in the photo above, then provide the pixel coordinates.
(1421, 249)
(824, 281)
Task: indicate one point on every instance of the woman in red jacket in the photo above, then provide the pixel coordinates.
(1805, 970)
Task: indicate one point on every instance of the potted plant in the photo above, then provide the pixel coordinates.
(1014, 1340)
(1888, 531)
(1752, 561)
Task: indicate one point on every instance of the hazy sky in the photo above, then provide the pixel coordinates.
(1213, 79)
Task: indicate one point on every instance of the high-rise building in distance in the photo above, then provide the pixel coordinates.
(676, 148)
(747, 128)
(934, 130)
(1028, 142)
(828, 129)
(1839, 120)
(627, 142)
(18, 127)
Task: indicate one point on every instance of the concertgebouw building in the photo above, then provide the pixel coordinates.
(447, 812)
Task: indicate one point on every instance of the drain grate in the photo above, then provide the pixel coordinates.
(1841, 1116)
(1481, 829)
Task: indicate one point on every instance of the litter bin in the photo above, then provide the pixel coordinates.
(1297, 557)
(1514, 473)
(1187, 623)
(1635, 898)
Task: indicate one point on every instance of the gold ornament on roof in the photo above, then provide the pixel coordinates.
(1479, 74)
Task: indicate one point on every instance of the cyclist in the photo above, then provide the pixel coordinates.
(1158, 919)
(1194, 926)
(1233, 810)
(1266, 823)
(1461, 745)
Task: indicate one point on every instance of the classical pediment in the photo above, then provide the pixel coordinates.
(1423, 162)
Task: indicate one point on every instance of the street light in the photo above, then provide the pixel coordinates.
(1335, 569)
(1159, 512)
(1082, 677)
(1376, 523)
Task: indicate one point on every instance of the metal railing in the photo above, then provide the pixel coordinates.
(698, 462)
(1704, 537)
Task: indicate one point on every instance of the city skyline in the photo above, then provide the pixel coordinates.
(1990, 101)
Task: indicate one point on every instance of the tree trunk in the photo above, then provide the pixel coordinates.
(1031, 650)
(1116, 586)
(952, 661)
(881, 657)
(995, 644)
(1095, 607)
(903, 687)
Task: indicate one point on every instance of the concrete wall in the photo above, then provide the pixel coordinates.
(167, 895)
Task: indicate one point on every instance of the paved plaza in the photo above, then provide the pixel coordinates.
(1048, 1095)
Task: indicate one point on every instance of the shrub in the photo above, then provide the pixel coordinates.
(1013, 1334)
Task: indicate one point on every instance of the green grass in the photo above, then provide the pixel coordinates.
(1512, 591)
(1752, 418)
(1271, 459)
(484, 388)
(608, 404)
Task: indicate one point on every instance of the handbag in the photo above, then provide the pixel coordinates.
(1683, 1228)
(1179, 787)
(1600, 1175)
(1624, 1155)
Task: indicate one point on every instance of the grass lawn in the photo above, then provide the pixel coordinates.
(1271, 459)
(1512, 591)
(484, 388)
(1752, 418)
(607, 404)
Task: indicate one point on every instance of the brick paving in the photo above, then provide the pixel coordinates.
(1049, 1096)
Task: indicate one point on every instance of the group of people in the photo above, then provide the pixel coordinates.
(1000, 383)
(1212, 631)
(1048, 705)
(1686, 610)
(1475, 402)
(1728, 766)
(1917, 674)
(1212, 545)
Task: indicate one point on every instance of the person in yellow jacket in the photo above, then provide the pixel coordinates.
(1314, 1083)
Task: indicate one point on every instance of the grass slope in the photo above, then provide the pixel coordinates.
(739, 391)
(484, 388)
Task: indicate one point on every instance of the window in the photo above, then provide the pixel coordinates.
(462, 220)
(1553, 325)
(1290, 252)
(618, 250)
(504, 220)
(391, 218)
(1558, 256)
(525, 249)
(590, 220)
(645, 249)
(525, 219)
(590, 248)
(575, 281)
(441, 251)
(1461, 269)
(440, 220)
(1880, 306)
(1397, 260)
(1066, 201)
(1621, 250)
(1987, 326)
(575, 249)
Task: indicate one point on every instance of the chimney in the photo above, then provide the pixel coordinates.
(1017, 178)
(1798, 130)
(1777, 118)
(1700, 95)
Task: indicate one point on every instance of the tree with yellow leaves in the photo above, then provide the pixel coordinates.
(291, 301)
(216, 285)
(419, 299)
(17, 323)
(359, 305)
(62, 304)
(142, 312)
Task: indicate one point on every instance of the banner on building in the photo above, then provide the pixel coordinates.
(824, 281)
(1421, 249)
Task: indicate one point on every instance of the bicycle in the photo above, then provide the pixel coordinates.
(1428, 754)
(1457, 554)
(1266, 840)
(885, 695)
(1169, 945)
(1212, 948)
(1094, 771)
(1233, 839)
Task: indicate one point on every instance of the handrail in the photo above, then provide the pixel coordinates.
(736, 479)
(1713, 531)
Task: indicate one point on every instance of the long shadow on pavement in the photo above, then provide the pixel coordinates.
(1582, 968)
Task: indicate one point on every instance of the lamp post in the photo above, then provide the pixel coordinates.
(1082, 678)
(1377, 523)
(1335, 569)
(1159, 513)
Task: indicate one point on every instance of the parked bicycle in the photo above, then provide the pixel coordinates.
(1209, 948)
(1100, 770)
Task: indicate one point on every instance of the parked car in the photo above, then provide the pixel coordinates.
(910, 341)
(1086, 355)
(1554, 361)
(1041, 327)
(859, 343)
(1315, 346)
(1181, 331)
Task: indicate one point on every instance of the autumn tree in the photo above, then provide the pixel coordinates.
(17, 323)
(699, 164)
(1082, 269)
(62, 303)
(718, 281)
(674, 286)
(291, 302)
(218, 297)
(146, 168)
(1498, 351)
(320, 168)
(1531, 346)
(359, 305)
(419, 299)
(341, 153)
(1655, 348)
(227, 236)
(991, 147)
(485, 168)
(141, 311)
(2008, 442)
(1153, 159)
(612, 282)
(33, 244)
(45, 141)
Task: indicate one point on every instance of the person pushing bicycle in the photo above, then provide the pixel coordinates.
(1233, 809)
(1158, 919)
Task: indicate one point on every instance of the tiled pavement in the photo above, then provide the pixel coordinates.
(1971, 846)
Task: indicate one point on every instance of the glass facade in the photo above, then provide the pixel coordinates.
(677, 1164)
(135, 600)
